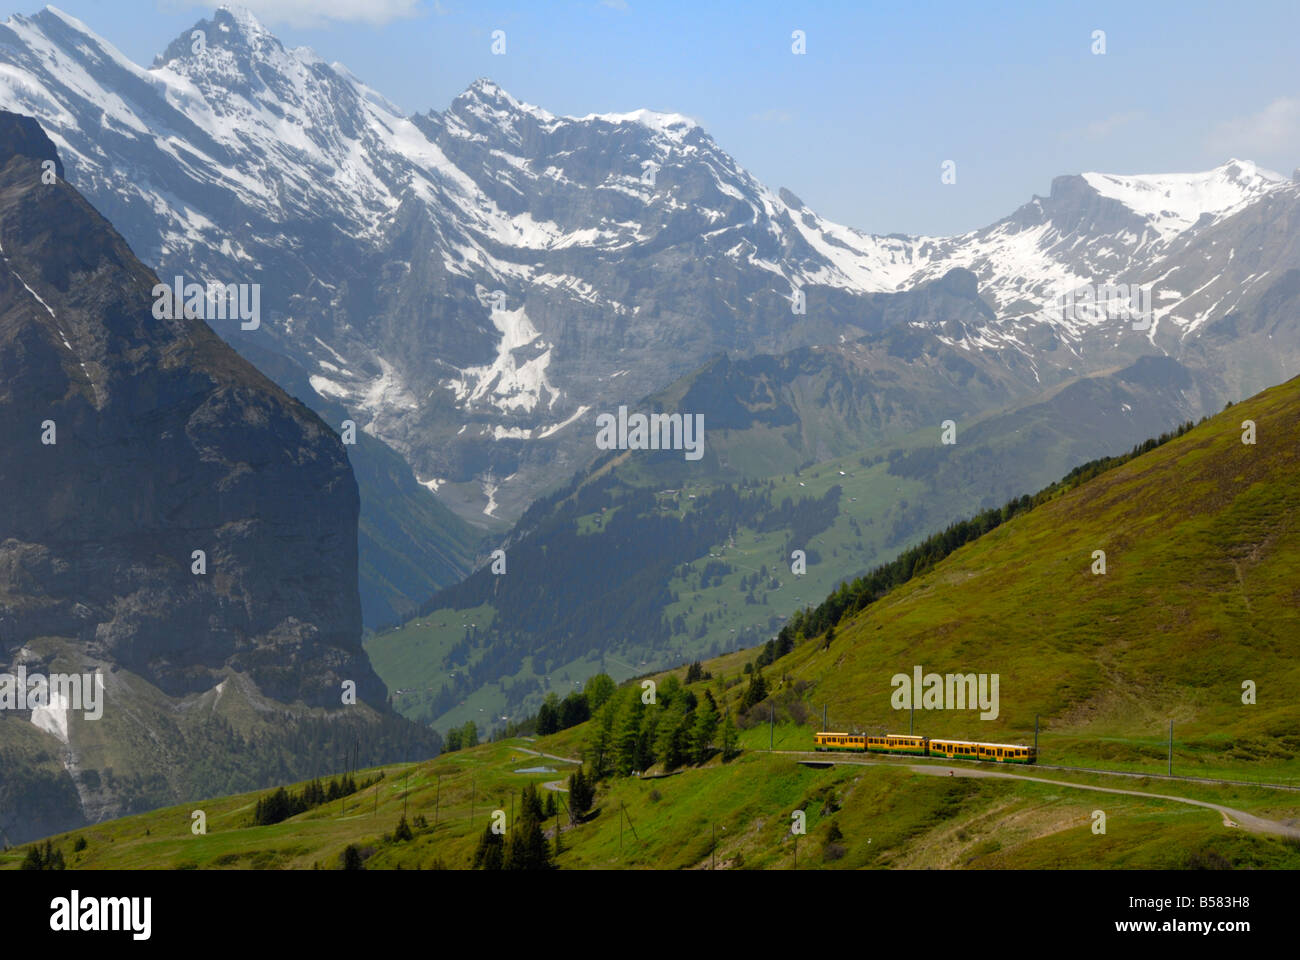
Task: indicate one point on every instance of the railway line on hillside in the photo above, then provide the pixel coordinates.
(1231, 816)
(1115, 773)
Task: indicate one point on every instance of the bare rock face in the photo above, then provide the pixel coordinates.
(165, 443)
(171, 519)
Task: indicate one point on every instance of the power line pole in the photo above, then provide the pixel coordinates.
(824, 727)
(437, 802)
(911, 721)
(630, 825)
(1171, 748)
(557, 827)
(771, 727)
(343, 799)
(1035, 736)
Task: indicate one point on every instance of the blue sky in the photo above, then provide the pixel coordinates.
(860, 125)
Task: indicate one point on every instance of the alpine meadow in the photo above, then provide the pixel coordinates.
(432, 439)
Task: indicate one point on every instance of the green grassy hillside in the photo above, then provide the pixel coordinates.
(885, 815)
(1199, 596)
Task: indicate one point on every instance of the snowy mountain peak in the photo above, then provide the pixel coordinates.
(675, 126)
(488, 102)
(243, 20)
(237, 38)
(1175, 201)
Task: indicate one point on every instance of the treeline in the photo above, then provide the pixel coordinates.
(281, 805)
(461, 738)
(555, 714)
(671, 726)
(850, 598)
(47, 857)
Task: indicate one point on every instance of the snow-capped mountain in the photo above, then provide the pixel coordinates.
(474, 285)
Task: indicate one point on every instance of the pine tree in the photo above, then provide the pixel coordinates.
(526, 848)
(756, 692)
(730, 738)
(601, 744)
(599, 689)
(489, 853)
(582, 793)
(628, 729)
(548, 718)
(706, 724)
(672, 744)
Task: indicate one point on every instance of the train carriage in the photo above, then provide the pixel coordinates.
(988, 752)
(898, 743)
(840, 741)
(901, 743)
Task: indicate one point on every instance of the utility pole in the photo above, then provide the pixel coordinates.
(343, 800)
(1171, 748)
(824, 718)
(437, 802)
(771, 727)
(1035, 736)
(911, 721)
(630, 825)
(557, 827)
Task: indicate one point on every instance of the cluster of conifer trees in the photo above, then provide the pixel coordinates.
(639, 727)
(281, 805)
(523, 844)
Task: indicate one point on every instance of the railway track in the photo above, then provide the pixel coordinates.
(827, 756)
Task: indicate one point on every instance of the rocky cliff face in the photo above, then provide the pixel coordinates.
(132, 443)
(165, 443)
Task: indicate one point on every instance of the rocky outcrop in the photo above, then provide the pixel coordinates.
(171, 515)
(164, 443)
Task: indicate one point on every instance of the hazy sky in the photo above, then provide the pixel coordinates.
(859, 125)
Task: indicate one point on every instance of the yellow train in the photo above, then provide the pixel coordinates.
(926, 747)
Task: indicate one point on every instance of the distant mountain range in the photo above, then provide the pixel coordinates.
(474, 286)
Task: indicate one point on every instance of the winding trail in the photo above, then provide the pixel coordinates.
(557, 785)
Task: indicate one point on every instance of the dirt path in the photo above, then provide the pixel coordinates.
(548, 756)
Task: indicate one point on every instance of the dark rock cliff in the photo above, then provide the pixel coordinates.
(165, 442)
